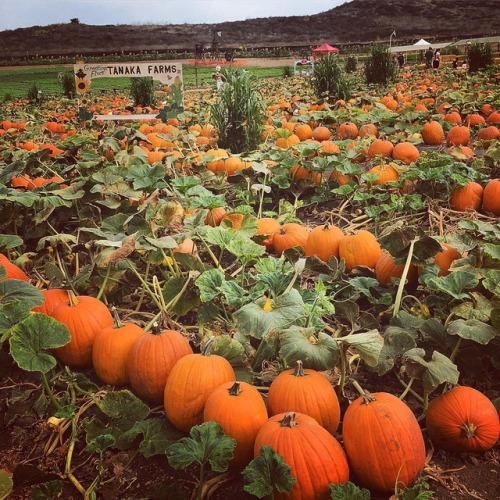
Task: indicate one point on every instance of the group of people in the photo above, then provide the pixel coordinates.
(432, 58)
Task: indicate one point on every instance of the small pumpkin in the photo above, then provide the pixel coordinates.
(348, 130)
(385, 173)
(468, 197)
(305, 391)
(463, 420)
(151, 359)
(290, 235)
(380, 147)
(214, 216)
(360, 249)
(324, 241)
(239, 408)
(13, 271)
(314, 455)
(111, 349)
(445, 258)
(267, 226)
(406, 152)
(386, 269)
(191, 381)
(383, 442)
(491, 197)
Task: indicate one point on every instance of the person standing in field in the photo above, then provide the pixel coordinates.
(437, 59)
(219, 78)
(429, 55)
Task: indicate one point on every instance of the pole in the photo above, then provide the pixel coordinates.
(390, 39)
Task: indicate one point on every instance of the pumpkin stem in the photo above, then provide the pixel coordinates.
(299, 369)
(367, 397)
(288, 420)
(73, 300)
(205, 351)
(326, 227)
(469, 429)
(235, 389)
(156, 330)
(116, 318)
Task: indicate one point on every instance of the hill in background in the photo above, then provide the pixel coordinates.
(353, 22)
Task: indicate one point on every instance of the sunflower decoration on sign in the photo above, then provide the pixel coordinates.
(82, 84)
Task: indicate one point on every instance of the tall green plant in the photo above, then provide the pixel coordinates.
(238, 113)
(68, 84)
(380, 67)
(329, 81)
(479, 56)
(142, 90)
(351, 64)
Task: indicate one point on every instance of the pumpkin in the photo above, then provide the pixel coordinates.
(474, 119)
(303, 132)
(494, 117)
(323, 241)
(151, 359)
(13, 271)
(453, 117)
(235, 219)
(383, 442)
(385, 172)
(339, 177)
(386, 269)
(239, 408)
(84, 316)
(186, 246)
(155, 156)
(380, 147)
(360, 249)
(290, 235)
(314, 455)
(111, 348)
(329, 147)
(445, 258)
(491, 197)
(321, 134)
(468, 197)
(462, 420)
(299, 173)
(191, 381)
(433, 133)
(214, 216)
(488, 134)
(368, 129)
(405, 152)
(458, 136)
(267, 226)
(348, 130)
(231, 165)
(305, 391)
(54, 297)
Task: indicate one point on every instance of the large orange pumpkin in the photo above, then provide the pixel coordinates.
(239, 408)
(111, 349)
(386, 269)
(315, 456)
(305, 391)
(385, 172)
(468, 197)
(267, 226)
(191, 381)
(383, 441)
(458, 136)
(380, 147)
(324, 241)
(463, 420)
(151, 360)
(54, 297)
(491, 197)
(433, 133)
(84, 316)
(360, 249)
(348, 130)
(290, 235)
(13, 271)
(406, 152)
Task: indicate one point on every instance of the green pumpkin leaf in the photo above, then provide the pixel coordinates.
(11, 314)
(158, 435)
(266, 473)
(32, 337)
(479, 309)
(206, 443)
(6, 484)
(47, 491)
(10, 241)
(368, 345)
(123, 407)
(100, 443)
(472, 329)
(12, 290)
(348, 491)
(230, 349)
(252, 320)
(209, 283)
(454, 284)
(396, 342)
(242, 247)
(319, 352)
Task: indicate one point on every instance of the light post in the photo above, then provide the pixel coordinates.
(390, 39)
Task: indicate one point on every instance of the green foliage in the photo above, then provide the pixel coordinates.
(351, 64)
(33, 92)
(142, 90)
(380, 67)
(479, 56)
(348, 491)
(68, 84)
(268, 473)
(238, 113)
(329, 80)
(287, 71)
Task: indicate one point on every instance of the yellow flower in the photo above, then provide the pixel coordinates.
(268, 306)
(82, 85)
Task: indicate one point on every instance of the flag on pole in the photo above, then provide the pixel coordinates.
(219, 33)
(393, 33)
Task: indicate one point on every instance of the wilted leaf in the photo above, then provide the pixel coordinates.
(368, 345)
(396, 342)
(6, 484)
(128, 246)
(123, 407)
(472, 329)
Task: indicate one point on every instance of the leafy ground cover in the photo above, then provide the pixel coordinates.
(156, 223)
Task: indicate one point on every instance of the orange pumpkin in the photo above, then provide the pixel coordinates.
(290, 235)
(54, 297)
(305, 391)
(406, 152)
(468, 197)
(348, 130)
(380, 147)
(215, 216)
(314, 455)
(303, 132)
(386, 269)
(488, 134)
(368, 129)
(239, 408)
(463, 420)
(445, 258)
(151, 360)
(321, 134)
(324, 241)
(458, 136)
(433, 133)
(267, 226)
(360, 249)
(385, 172)
(191, 381)
(491, 197)
(13, 271)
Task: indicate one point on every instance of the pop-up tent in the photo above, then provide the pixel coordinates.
(325, 49)
(422, 43)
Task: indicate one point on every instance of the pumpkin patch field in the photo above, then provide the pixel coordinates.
(301, 303)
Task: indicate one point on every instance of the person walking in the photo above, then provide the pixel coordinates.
(437, 59)
(401, 60)
(219, 78)
(429, 55)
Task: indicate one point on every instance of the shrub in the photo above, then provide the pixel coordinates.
(68, 84)
(33, 92)
(287, 71)
(142, 90)
(329, 80)
(238, 113)
(380, 67)
(479, 56)
(7, 97)
(351, 64)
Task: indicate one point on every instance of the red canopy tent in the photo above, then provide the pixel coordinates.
(325, 49)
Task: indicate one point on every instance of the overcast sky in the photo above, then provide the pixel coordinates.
(25, 13)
